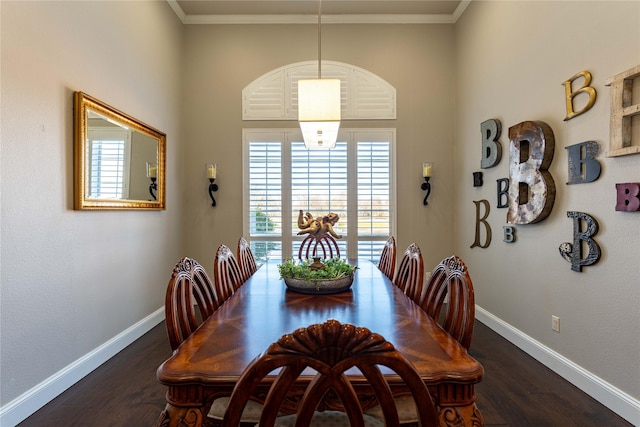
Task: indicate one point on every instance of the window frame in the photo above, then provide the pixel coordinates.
(287, 135)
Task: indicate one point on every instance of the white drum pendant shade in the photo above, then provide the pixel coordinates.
(319, 112)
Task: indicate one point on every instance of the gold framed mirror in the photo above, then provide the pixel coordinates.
(119, 162)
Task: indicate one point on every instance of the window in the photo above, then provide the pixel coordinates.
(354, 180)
(109, 154)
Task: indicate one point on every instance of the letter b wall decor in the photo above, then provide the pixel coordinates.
(532, 190)
(628, 197)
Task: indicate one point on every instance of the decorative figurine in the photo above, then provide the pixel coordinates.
(318, 226)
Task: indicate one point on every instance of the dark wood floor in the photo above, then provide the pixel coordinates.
(516, 391)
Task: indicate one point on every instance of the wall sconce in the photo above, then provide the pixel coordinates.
(212, 173)
(426, 185)
(152, 174)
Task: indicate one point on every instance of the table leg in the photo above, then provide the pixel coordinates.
(174, 416)
(456, 405)
(460, 416)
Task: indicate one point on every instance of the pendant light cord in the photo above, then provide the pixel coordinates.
(319, 39)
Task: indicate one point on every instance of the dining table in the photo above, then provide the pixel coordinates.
(209, 362)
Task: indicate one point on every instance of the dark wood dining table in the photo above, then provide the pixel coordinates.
(209, 362)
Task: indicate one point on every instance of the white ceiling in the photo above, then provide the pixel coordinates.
(306, 11)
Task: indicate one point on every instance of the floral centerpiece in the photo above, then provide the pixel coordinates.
(317, 277)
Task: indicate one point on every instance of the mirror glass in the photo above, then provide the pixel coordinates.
(119, 161)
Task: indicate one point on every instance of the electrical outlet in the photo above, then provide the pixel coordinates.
(555, 323)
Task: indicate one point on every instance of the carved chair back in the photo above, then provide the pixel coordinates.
(387, 262)
(189, 280)
(330, 349)
(246, 260)
(226, 273)
(451, 277)
(410, 274)
(313, 245)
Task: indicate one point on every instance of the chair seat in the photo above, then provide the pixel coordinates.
(328, 419)
(251, 413)
(405, 406)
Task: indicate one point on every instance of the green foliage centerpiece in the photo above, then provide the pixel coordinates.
(327, 276)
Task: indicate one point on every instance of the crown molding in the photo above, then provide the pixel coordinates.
(460, 9)
(177, 10)
(313, 19)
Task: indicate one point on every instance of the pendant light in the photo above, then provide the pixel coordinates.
(319, 104)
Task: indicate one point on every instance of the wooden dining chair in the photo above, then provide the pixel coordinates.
(329, 349)
(226, 273)
(246, 260)
(451, 278)
(410, 279)
(189, 281)
(410, 274)
(313, 246)
(387, 262)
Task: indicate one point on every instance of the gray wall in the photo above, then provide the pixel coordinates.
(512, 58)
(73, 280)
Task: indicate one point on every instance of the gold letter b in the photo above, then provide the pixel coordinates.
(584, 89)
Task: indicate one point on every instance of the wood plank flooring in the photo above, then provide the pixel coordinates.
(516, 391)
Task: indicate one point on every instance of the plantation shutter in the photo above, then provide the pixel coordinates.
(319, 186)
(374, 196)
(353, 180)
(265, 197)
(108, 162)
(274, 95)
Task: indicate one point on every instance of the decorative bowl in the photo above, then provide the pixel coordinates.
(319, 286)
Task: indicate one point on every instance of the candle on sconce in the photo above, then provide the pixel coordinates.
(152, 170)
(426, 185)
(426, 170)
(212, 171)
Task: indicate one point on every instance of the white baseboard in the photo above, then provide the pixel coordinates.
(613, 398)
(29, 402)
